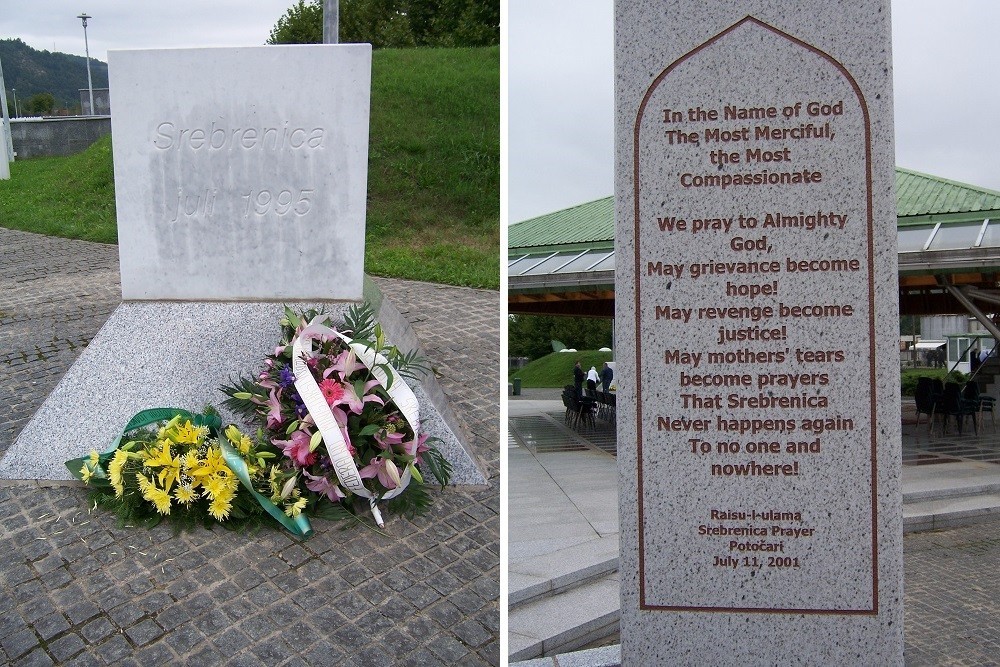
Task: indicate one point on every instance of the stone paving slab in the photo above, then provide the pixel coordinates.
(76, 589)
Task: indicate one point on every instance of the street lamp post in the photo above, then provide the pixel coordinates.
(90, 85)
(14, 91)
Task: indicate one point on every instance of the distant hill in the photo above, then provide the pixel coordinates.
(30, 72)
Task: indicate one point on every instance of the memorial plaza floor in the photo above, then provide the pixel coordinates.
(77, 590)
(563, 540)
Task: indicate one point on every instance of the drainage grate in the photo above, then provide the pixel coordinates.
(543, 434)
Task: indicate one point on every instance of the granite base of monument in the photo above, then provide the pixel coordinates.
(177, 354)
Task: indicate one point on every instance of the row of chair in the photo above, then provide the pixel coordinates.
(950, 399)
(604, 403)
(580, 411)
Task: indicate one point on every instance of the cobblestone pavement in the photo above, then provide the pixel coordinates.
(952, 596)
(77, 590)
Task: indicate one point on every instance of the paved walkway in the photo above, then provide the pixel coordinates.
(951, 585)
(77, 590)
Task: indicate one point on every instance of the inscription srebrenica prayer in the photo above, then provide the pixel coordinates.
(753, 268)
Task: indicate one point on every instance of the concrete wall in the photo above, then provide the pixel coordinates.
(47, 137)
(102, 102)
(937, 327)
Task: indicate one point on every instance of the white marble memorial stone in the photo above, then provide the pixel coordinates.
(759, 443)
(240, 179)
(242, 173)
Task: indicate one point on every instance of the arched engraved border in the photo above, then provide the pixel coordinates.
(871, 334)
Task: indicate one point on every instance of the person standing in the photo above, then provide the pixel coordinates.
(578, 378)
(607, 374)
(592, 379)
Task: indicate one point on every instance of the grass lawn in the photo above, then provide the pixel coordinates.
(433, 173)
(556, 369)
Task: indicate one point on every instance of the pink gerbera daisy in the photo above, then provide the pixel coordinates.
(332, 390)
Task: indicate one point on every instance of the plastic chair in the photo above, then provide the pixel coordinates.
(953, 404)
(925, 400)
(988, 404)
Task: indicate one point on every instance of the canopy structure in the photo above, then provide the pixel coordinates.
(563, 263)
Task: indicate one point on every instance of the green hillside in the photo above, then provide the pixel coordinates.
(433, 173)
(30, 72)
(556, 369)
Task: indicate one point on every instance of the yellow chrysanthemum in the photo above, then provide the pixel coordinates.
(214, 485)
(94, 457)
(222, 485)
(159, 497)
(219, 508)
(225, 495)
(185, 494)
(115, 471)
(296, 508)
(86, 473)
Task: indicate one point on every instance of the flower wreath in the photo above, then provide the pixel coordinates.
(320, 386)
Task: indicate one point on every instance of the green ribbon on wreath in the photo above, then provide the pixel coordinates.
(299, 526)
(140, 420)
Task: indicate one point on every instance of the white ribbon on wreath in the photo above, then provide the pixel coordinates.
(313, 399)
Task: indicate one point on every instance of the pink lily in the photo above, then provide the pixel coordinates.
(384, 469)
(274, 417)
(297, 448)
(416, 447)
(324, 486)
(356, 403)
(346, 364)
(388, 440)
(341, 418)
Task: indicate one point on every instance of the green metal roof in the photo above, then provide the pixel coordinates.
(592, 223)
(920, 199)
(923, 195)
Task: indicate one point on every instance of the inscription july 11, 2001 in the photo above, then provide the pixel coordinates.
(751, 270)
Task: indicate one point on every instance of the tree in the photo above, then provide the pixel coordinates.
(532, 335)
(40, 104)
(301, 24)
(395, 23)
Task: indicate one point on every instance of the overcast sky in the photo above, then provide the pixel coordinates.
(559, 77)
(561, 98)
(53, 25)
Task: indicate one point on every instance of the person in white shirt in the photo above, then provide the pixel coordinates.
(592, 379)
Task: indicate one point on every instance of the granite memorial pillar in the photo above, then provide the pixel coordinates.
(757, 319)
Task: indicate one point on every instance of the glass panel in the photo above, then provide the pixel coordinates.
(549, 265)
(607, 264)
(912, 239)
(582, 263)
(992, 237)
(955, 237)
(518, 264)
